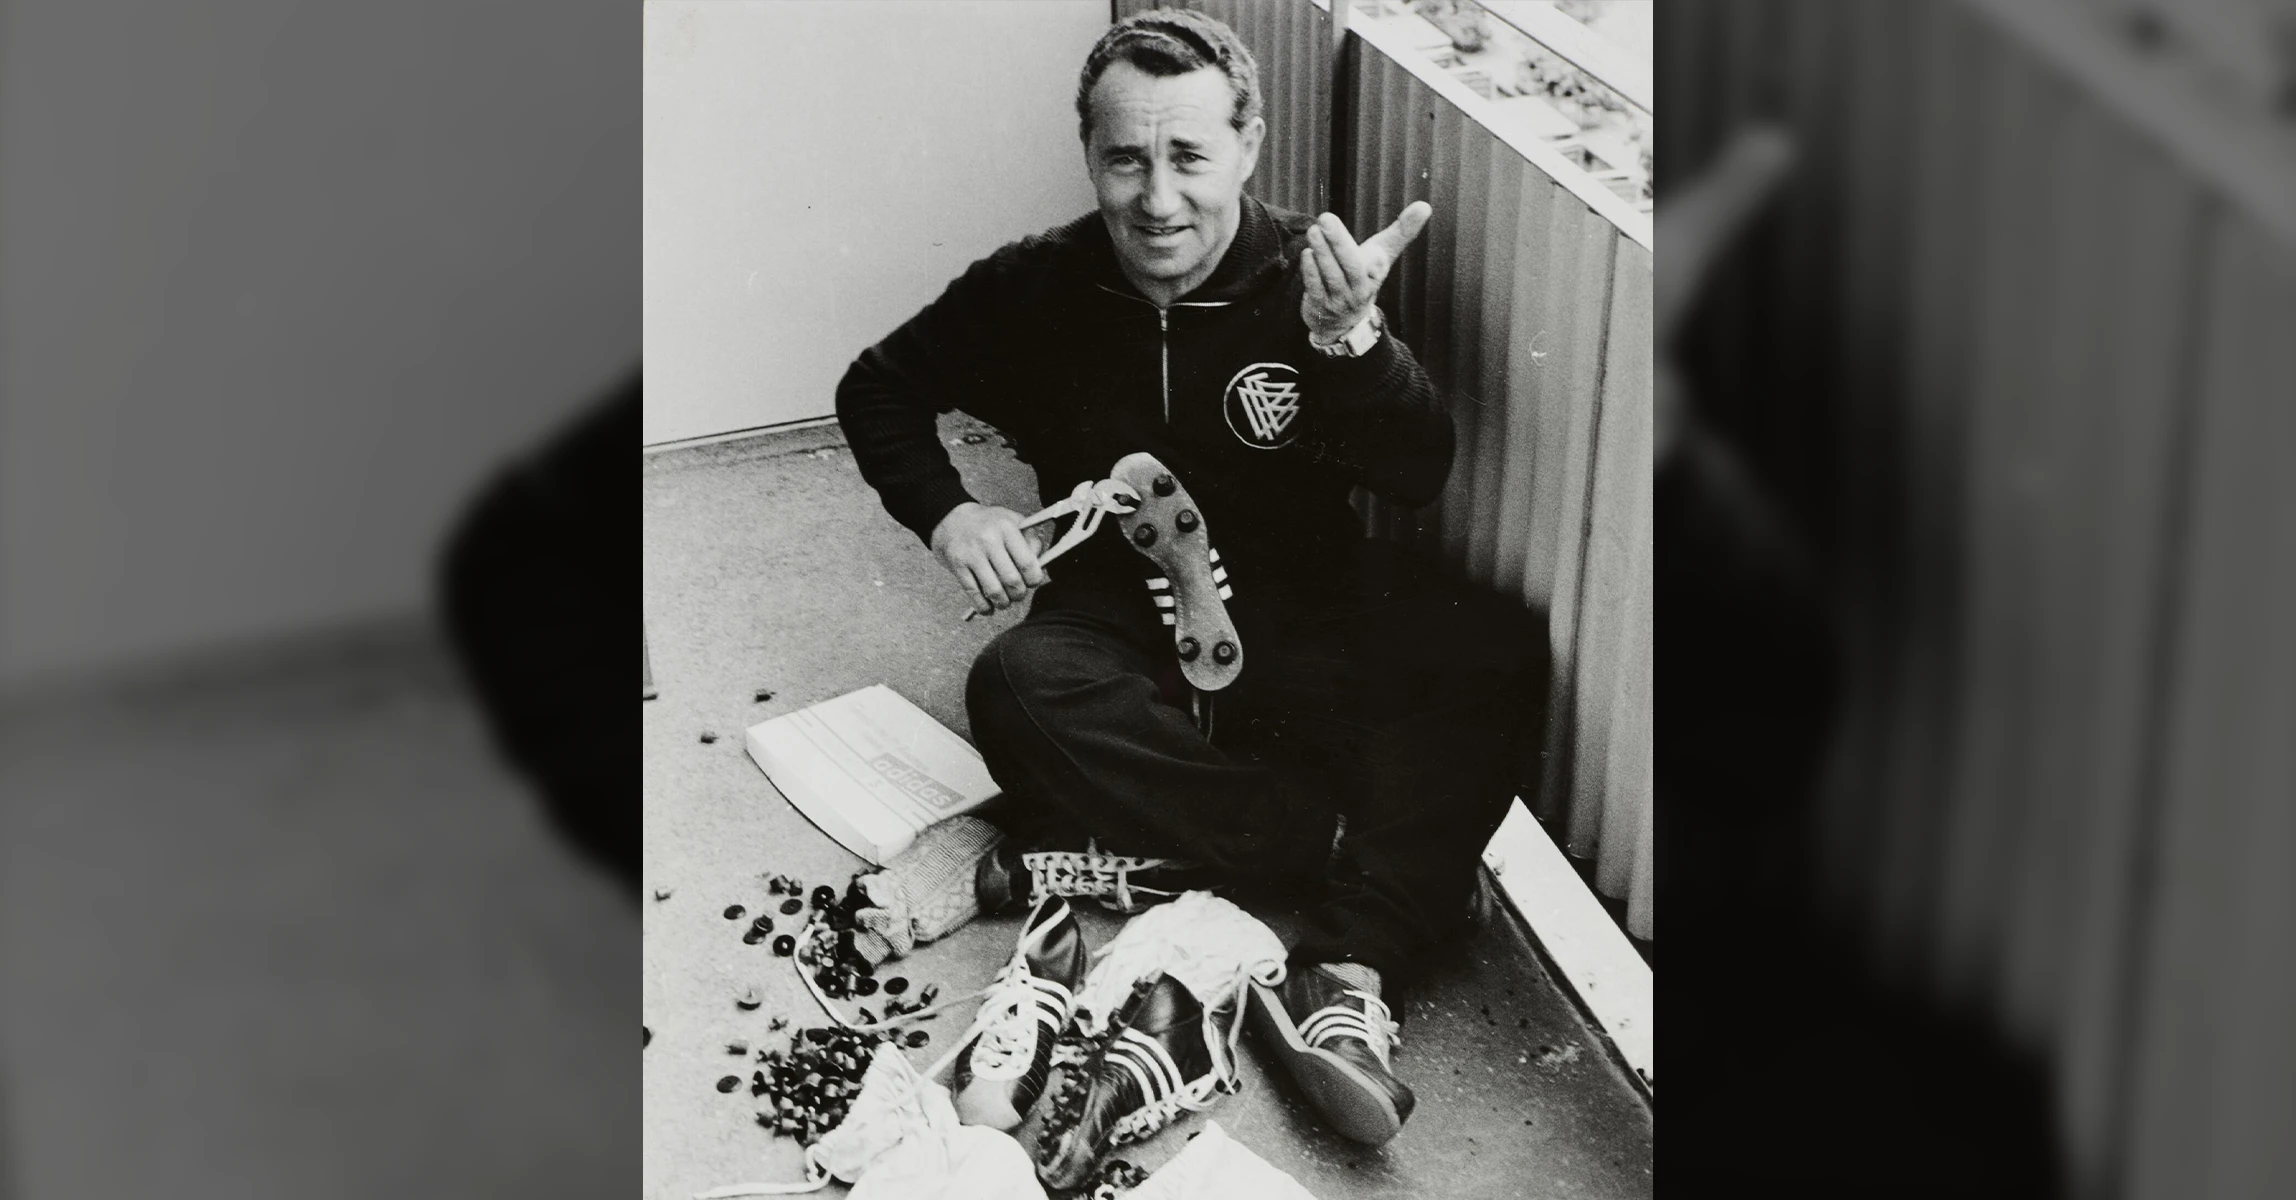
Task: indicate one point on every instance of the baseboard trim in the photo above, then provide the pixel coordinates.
(1612, 983)
(736, 435)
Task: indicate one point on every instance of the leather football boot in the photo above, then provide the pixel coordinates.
(1008, 1053)
(1337, 1050)
(1168, 528)
(1153, 1062)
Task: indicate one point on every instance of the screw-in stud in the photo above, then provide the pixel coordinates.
(1164, 485)
(1224, 653)
(1189, 649)
(1186, 520)
(1145, 535)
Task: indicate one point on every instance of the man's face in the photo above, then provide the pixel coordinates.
(1169, 170)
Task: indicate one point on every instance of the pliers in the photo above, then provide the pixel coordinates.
(1091, 501)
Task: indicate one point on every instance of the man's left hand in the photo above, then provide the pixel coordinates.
(1343, 277)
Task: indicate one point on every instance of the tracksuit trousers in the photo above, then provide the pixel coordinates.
(1378, 690)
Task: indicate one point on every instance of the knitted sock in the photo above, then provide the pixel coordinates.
(926, 891)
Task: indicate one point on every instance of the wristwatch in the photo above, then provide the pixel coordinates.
(1358, 341)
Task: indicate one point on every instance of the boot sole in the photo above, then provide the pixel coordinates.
(1354, 1104)
(1186, 560)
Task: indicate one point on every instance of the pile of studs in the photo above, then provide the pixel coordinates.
(808, 1087)
(826, 950)
(843, 972)
(781, 885)
(1112, 1179)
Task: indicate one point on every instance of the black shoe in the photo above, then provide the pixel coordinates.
(1338, 1054)
(1001, 882)
(1155, 1061)
(1001, 1070)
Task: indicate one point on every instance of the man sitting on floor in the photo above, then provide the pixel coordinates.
(1366, 751)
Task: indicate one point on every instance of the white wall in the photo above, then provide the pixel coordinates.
(283, 280)
(816, 172)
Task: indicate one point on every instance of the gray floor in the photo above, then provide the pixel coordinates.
(769, 564)
(290, 930)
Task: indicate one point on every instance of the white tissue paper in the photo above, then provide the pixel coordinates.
(1214, 1166)
(1208, 943)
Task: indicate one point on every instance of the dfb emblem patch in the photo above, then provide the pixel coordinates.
(1263, 403)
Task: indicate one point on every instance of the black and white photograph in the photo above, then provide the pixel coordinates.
(1147, 599)
(1152, 524)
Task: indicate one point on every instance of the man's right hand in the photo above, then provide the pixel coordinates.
(989, 553)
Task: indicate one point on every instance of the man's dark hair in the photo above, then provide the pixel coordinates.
(1172, 41)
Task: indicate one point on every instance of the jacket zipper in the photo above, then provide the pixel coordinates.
(1164, 362)
(1164, 348)
(1164, 334)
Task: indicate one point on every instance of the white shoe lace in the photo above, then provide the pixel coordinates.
(1372, 1024)
(1020, 1009)
(1089, 873)
(1163, 1092)
(1214, 949)
(1013, 1008)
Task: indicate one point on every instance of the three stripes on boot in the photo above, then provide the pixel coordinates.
(1160, 588)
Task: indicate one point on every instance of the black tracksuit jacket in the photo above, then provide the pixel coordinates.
(1047, 341)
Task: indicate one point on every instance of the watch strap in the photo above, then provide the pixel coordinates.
(1356, 342)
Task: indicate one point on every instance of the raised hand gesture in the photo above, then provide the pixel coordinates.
(1343, 276)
